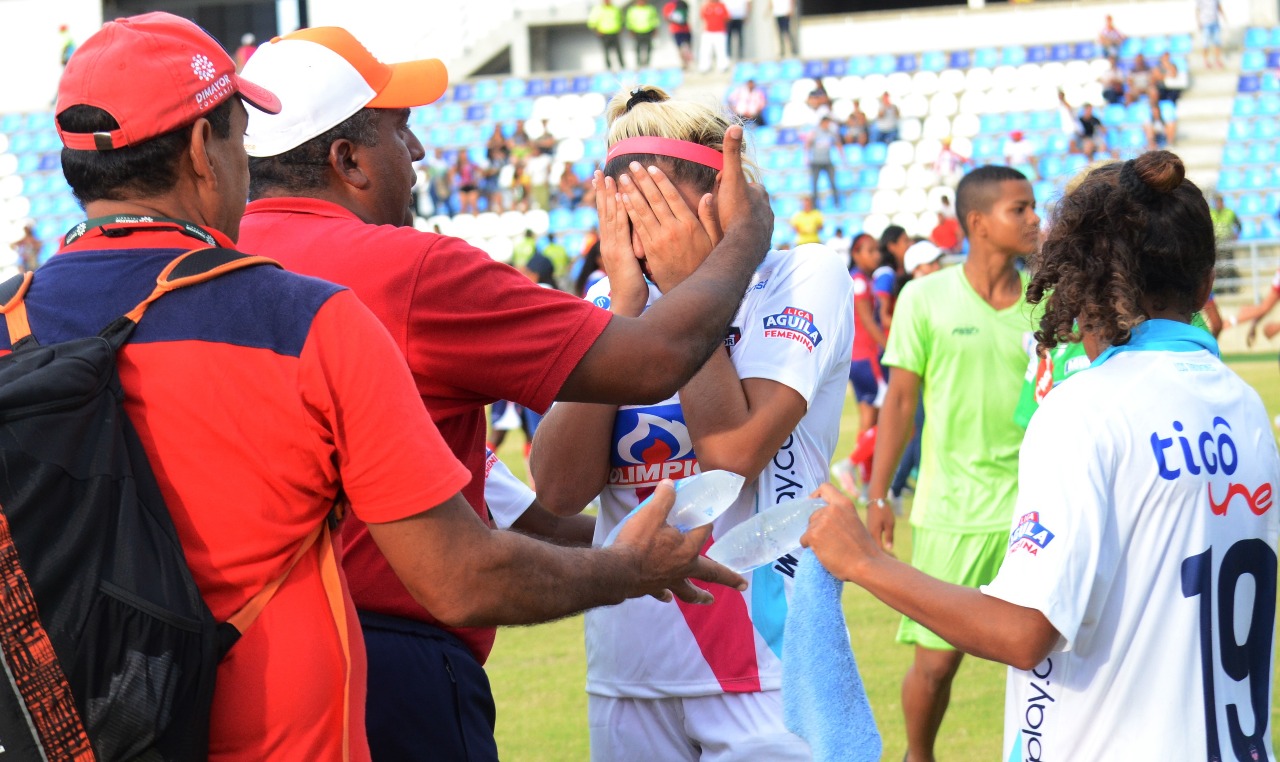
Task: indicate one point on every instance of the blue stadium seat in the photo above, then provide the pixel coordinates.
(581, 84)
(1044, 120)
(788, 136)
(1238, 130)
(785, 206)
(1273, 59)
(452, 112)
(19, 142)
(1075, 162)
(1275, 37)
(1269, 104)
(49, 162)
(773, 113)
(11, 123)
(768, 71)
(781, 229)
(1250, 230)
(860, 203)
(477, 112)
(584, 218)
(1037, 54)
(1244, 107)
(1264, 129)
(836, 67)
(907, 62)
(861, 65)
(992, 123)
(1249, 83)
(476, 154)
(1253, 61)
(1256, 37)
(1057, 143)
(853, 153)
(796, 182)
(561, 85)
(1115, 114)
(524, 108)
(604, 82)
(1014, 55)
(743, 71)
(869, 178)
(1051, 166)
(535, 87)
(594, 147)
(503, 110)
(1250, 204)
(1235, 153)
(846, 178)
(1130, 48)
(814, 69)
(986, 147)
(1061, 52)
(40, 121)
(584, 169)
(462, 91)
(1256, 178)
(1133, 138)
(764, 137)
(1044, 191)
(1137, 112)
(1154, 47)
(875, 153)
(560, 219)
(1086, 50)
(778, 94)
(961, 59)
(485, 90)
(885, 64)
(1180, 44)
(1018, 120)
(1270, 227)
(933, 61)
(790, 69)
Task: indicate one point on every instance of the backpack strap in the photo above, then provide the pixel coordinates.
(196, 266)
(14, 308)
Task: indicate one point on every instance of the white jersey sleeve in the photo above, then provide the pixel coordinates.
(796, 320)
(507, 497)
(1060, 547)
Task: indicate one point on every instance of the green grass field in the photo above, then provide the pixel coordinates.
(538, 673)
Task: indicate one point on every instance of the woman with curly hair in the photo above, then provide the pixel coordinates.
(1147, 487)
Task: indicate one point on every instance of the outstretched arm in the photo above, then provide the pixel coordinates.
(966, 618)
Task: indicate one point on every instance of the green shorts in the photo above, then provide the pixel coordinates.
(962, 559)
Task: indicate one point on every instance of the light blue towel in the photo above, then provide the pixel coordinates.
(823, 700)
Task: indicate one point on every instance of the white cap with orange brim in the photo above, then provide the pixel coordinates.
(323, 76)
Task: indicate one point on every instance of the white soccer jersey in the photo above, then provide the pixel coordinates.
(507, 497)
(1146, 534)
(795, 327)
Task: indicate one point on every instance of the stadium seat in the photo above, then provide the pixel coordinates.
(1037, 54)
(1256, 37)
(1249, 83)
(962, 60)
(1253, 61)
(1244, 107)
(933, 61)
(1086, 50)
(1014, 55)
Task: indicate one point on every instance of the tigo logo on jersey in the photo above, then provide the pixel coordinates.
(795, 324)
(1030, 535)
(602, 302)
(651, 444)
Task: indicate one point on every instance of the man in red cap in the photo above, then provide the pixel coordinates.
(332, 197)
(261, 396)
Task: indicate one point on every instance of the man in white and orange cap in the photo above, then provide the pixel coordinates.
(262, 395)
(331, 197)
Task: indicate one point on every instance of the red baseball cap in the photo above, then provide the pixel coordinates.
(153, 73)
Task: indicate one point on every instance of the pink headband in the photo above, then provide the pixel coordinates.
(676, 149)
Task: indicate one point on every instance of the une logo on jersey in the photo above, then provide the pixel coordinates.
(1030, 535)
(795, 324)
(1218, 454)
(652, 444)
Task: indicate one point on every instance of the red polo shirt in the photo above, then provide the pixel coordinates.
(255, 396)
(472, 330)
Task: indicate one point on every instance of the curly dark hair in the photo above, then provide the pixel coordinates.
(146, 169)
(306, 167)
(1133, 236)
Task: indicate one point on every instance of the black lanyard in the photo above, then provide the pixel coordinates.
(181, 226)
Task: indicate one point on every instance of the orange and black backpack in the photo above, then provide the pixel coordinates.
(109, 652)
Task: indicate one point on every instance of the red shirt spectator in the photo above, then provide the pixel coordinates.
(947, 234)
(677, 17)
(715, 17)
(444, 322)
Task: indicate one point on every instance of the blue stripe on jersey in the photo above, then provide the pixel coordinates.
(78, 294)
(768, 602)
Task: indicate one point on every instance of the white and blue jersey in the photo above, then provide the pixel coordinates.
(794, 327)
(1146, 532)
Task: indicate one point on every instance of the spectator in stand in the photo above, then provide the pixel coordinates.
(1161, 129)
(1170, 79)
(248, 45)
(782, 12)
(855, 127)
(1226, 225)
(541, 270)
(842, 245)
(570, 188)
(439, 186)
(739, 12)
(642, 20)
(1210, 18)
(1020, 154)
(538, 169)
(606, 21)
(819, 142)
(950, 164)
(590, 270)
(559, 256)
(676, 13)
(1110, 39)
(747, 102)
(807, 223)
(1093, 133)
(947, 234)
(1141, 82)
(28, 248)
(1068, 122)
(66, 44)
(466, 178)
(1113, 82)
(818, 99)
(885, 128)
(714, 44)
(524, 249)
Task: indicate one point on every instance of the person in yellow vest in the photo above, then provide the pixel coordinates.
(606, 21)
(807, 223)
(642, 20)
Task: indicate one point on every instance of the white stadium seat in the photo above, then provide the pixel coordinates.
(924, 83)
(937, 127)
(893, 176)
(927, 150)
(944, 104)
(951, 81)
(874, 224)
(910, 130)
(538, 221)
(884, 202)
(444, 222)
(594, 104)
(900, 152)
(898, 84)
(965, 125)
(464, 226)
(913, 105)
(510, 224)
(544, 107)
(978, 78)
(1029, 75)
(1004, 77)
(912, 200)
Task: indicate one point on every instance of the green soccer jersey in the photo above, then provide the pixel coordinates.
(971, 360)
(1062, 362)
